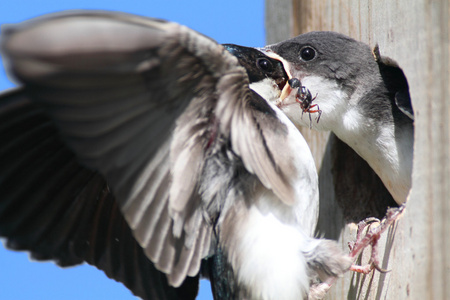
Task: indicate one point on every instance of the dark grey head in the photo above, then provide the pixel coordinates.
(343, 73)
(258, 65)
(329, 55)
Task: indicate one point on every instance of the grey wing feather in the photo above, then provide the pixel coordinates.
(59, 210)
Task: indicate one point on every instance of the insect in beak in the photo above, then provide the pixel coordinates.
(305, 99)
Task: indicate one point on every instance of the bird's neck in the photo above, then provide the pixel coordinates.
(386, 146)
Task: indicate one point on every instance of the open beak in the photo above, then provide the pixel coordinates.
(287, 88)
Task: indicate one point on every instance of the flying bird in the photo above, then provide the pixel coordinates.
(141, 146)
(363, 99)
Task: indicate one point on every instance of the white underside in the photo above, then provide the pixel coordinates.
(270, 260)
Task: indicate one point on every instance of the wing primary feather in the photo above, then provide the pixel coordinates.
(163, 227)
(148, 225)
(200, 251)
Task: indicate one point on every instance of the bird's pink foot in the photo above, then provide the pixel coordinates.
(371, 238)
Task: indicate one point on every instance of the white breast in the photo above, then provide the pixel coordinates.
(268, 254)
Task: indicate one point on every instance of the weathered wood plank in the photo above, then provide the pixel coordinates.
(416, 35)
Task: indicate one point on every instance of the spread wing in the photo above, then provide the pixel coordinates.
(59, 210)
(140, 101)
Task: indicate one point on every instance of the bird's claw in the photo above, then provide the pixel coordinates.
(361, 226)
(371, 238)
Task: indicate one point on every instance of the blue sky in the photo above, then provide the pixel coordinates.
(233, 21)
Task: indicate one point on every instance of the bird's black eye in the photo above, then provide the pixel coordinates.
(264, 64)
(307, 53)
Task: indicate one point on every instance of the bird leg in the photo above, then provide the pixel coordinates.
(358, 245)
(319, 290)
(371, 238)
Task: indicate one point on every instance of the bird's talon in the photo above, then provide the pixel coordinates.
(380, 269)
(371, 238)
